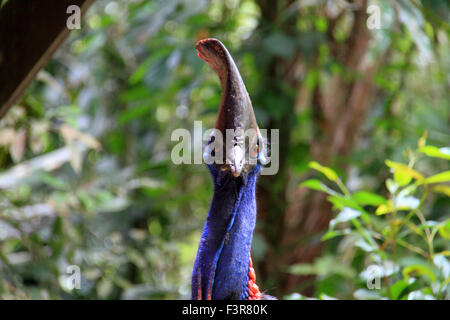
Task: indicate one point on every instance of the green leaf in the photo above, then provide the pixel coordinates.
(53, 181)
(335, 233)
(401, 178)
(398, 289)
(302, 269)
(437, 178)
(87, 200)
(441, 188)
(340, 202)
(435, 152)
(328, 172)
(420, 270)
(384, 208)
(368, 198)
(445, 253)
(402, 173)
(313, 184)
(444, 229)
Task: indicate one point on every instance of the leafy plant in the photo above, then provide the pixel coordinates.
(388, 237)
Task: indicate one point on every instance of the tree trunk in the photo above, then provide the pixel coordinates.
(293, 227)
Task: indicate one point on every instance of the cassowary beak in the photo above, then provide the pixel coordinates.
(241, 149)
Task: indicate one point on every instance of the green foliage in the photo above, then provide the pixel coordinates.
(86, 177)
(390, 231)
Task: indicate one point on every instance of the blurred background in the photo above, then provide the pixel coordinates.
(359, 90)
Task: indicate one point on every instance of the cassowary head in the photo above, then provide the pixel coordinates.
(240, 147)
(223, 268)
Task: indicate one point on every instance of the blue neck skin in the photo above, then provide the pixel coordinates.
(222, 264)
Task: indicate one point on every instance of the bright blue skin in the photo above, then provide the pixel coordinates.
(223, 261)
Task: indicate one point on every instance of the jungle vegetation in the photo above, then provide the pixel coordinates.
(359, 208)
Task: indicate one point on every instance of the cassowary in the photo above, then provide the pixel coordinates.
(223, 266)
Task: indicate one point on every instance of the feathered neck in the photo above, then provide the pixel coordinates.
(221, 269)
